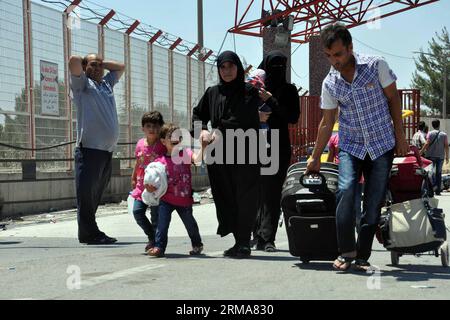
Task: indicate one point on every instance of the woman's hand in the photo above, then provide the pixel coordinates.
(264, 116)
(133, 183)
(264, 95)
(150, 188)
(205, 137)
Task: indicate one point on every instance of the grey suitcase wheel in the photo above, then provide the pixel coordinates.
(395, 258)
(444, 254)
(304, 261)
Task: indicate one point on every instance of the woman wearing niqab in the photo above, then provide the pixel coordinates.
(283, 99)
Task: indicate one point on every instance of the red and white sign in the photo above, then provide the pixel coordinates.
(49, 88)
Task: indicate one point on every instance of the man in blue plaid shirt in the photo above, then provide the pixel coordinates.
(370, 130)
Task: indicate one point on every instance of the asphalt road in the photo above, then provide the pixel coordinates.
(40, 258)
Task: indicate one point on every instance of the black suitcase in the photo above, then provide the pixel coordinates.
(309, 209)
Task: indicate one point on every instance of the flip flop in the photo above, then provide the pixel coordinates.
(343, 261)
(362, 265)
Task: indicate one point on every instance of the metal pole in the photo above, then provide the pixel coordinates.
(127, 55)
(201, 72)
(67, 52)
(101, 40)
(29, 81)
(200, 22)
(189, 89)
(444, 91)
(150, 75)
(171, 87)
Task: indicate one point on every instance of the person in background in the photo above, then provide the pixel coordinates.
(420, 137)
(436, 149)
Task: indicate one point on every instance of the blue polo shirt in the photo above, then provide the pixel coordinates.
(97, 122)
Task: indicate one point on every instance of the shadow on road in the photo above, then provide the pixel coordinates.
(418, 273)
(185, 256)
(9, 243)
(316, 266)
(271, 258)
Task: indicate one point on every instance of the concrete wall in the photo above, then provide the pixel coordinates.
(57, 191)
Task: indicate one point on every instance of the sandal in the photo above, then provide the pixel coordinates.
(150, 245)
(270, 247)
(343, 263)
(156, 252)
(362, 265)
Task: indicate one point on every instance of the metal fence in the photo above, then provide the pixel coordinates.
(35, 39)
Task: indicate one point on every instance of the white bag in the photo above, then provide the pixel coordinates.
(130, 202)
(408, 226)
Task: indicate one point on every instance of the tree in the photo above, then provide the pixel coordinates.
(431, 68)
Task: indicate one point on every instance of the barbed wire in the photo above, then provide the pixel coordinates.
(143, 30)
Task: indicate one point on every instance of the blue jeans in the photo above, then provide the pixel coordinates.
(139, 210)
(358, 211)
(165, 215)
(437, 173)
(376, 175)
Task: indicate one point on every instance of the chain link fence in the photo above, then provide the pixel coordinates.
(35, 44)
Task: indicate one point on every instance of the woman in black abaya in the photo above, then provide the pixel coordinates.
(283, 99)
(231, 105)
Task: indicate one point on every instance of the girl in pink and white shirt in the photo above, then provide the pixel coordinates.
(148, 149)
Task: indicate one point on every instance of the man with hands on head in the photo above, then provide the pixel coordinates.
(97, 136)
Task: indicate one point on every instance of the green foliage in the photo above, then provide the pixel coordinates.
(431, 67)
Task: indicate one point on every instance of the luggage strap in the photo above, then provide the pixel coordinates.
(435, 216)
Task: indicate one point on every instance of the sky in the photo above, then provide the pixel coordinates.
(395, 38)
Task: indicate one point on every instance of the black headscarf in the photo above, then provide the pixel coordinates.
(275, 65)
(238, 84)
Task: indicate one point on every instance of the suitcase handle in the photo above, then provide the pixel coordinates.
(414, 151)
(315, 179)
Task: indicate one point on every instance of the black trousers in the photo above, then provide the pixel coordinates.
(235, 191)
(92, 174)
(269, 208)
